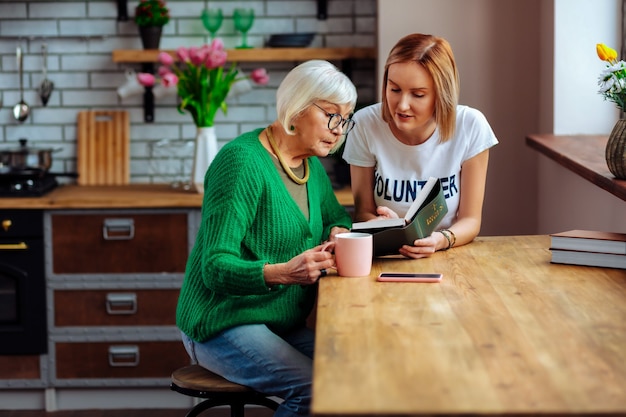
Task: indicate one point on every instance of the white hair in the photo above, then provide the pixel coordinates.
(309, 82)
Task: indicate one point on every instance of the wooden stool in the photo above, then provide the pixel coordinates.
(196, 381)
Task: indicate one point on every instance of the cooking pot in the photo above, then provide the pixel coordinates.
(24, 158)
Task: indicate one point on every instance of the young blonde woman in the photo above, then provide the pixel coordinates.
(419, 130)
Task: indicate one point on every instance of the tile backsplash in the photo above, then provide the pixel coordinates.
(80, 36)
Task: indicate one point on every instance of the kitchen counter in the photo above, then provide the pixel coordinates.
(121, 196)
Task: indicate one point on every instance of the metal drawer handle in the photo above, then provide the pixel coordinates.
(121, 303)
(123, 356)
(118, 229)
(14, 246)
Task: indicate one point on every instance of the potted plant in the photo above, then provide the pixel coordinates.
(202, 79)
(612, 82)
(150, 17)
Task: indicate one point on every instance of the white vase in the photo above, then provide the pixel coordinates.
(204, 152)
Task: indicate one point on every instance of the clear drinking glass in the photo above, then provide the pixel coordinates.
(212, 20)
(243, 18)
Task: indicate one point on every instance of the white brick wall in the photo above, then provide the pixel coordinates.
(80, 36)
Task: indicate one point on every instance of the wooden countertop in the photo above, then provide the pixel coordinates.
(121, 196)
(257, 54)
(504, 333)
(581, 154)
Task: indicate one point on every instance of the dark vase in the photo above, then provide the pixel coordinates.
(150, 36)
(616, 150)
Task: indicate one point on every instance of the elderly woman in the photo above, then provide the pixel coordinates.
(268, 210)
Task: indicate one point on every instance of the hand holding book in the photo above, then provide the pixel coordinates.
(417, 204)
(424, 215)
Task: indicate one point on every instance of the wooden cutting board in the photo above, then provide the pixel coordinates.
(102, 147)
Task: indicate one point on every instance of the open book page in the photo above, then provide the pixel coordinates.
(420, 198)
(387, 241)
(379, 223)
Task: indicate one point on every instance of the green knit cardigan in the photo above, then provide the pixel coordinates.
(248, 220)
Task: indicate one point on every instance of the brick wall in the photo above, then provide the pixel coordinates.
(80, 36)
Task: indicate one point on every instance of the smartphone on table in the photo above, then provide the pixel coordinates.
(409, 277)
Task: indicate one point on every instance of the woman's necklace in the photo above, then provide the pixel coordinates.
(286, 167)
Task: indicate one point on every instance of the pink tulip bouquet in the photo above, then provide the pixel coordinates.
(201, 79)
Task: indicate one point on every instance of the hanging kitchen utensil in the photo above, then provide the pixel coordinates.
(21, 109)
(46, 86)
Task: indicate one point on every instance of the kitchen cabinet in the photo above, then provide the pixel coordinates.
(23, 336)
(123, 361)
(130, 307)
(21, 371)
(112, 278)
(113, 282)
(110, 242)
(114, 260)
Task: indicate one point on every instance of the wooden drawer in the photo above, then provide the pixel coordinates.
(20, 367)
(115, 308)
(119, 359)
(119, 243)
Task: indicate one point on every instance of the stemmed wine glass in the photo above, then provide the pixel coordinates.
(212, 20)
(244, 18)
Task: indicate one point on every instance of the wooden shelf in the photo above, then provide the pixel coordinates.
(256, 54)
(149, 57)
(581, 154)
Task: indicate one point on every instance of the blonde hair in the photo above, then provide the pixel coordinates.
(311, 81)
(435, 55)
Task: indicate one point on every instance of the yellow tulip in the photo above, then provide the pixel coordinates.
(605, 53)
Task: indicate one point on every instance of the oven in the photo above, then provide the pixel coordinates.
(23, 323)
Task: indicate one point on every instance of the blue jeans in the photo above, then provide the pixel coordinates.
(252, 355)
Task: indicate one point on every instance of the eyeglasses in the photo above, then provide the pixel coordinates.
(335, 119)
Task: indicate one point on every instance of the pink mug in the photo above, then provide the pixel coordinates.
(353, 254)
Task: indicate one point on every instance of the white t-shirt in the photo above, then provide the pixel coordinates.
(402, 170)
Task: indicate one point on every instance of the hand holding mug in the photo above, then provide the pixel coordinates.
(353, 254)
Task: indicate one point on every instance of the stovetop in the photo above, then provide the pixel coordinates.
(26, 185)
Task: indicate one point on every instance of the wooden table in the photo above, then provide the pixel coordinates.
(505, 331)
(581, 154)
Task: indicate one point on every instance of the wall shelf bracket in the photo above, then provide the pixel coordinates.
(322, 9)
(148, 96)
(122, 10)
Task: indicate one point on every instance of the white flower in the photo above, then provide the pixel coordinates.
(606, 84)
(612, 80)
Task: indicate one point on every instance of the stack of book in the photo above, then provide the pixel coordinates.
(591, 248)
